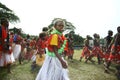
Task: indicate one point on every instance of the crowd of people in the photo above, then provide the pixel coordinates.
(106, 54)
(51, 47)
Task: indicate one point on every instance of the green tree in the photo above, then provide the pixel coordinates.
(77, 39)
(5, 12)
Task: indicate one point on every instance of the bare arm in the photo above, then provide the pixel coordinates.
(64, 65)
(115, 42)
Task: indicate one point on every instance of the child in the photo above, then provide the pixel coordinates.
(23, 51)
(41, 45)
(39, 57)
(70, 46)
(17, 48)
(54, 66)
(46, 31)
(5, 50)
(86, 49)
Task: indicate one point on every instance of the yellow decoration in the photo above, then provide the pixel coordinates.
(40, 60)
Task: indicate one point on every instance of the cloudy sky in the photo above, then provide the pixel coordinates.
(88, 16)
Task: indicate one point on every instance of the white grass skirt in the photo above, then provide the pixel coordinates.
(16, 51)
(52, 70)
(6, 59)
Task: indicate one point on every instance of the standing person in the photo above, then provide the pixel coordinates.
(65, 53)
(86, 49)
(115, 50)
(23, 51)
(11, 47)
(54, 66)
(108, 40)
(70, 46)
(28, 55)
(46, 31)
(41, 44)
(5, 53)
(17, 49)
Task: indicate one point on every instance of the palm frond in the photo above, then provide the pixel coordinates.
(4, 8)
(8, 13)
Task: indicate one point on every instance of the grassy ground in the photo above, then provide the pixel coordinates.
(77, 71)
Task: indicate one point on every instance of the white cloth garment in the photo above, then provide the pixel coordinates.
(6, 59)
(52, 70)
(16, 51)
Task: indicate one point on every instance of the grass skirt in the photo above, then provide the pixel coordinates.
(52, 70)
(6, 59)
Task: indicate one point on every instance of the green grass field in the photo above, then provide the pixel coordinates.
(77, 71)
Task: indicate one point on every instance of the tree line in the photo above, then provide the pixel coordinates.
(6, 12)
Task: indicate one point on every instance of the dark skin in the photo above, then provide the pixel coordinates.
(86, 44)
(5, 24)
(64, 65)
(59, 26)
(115, 41)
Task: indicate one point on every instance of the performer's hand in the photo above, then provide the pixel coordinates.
(64, 64)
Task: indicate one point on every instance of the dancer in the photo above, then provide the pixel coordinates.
(96, 51)
(115, 50)
(5, 49)
(17, 49)
(54, 67)
(108, 40)
(86, 49)
(70, 46)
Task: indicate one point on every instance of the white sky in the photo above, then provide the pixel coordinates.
(88, 16)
